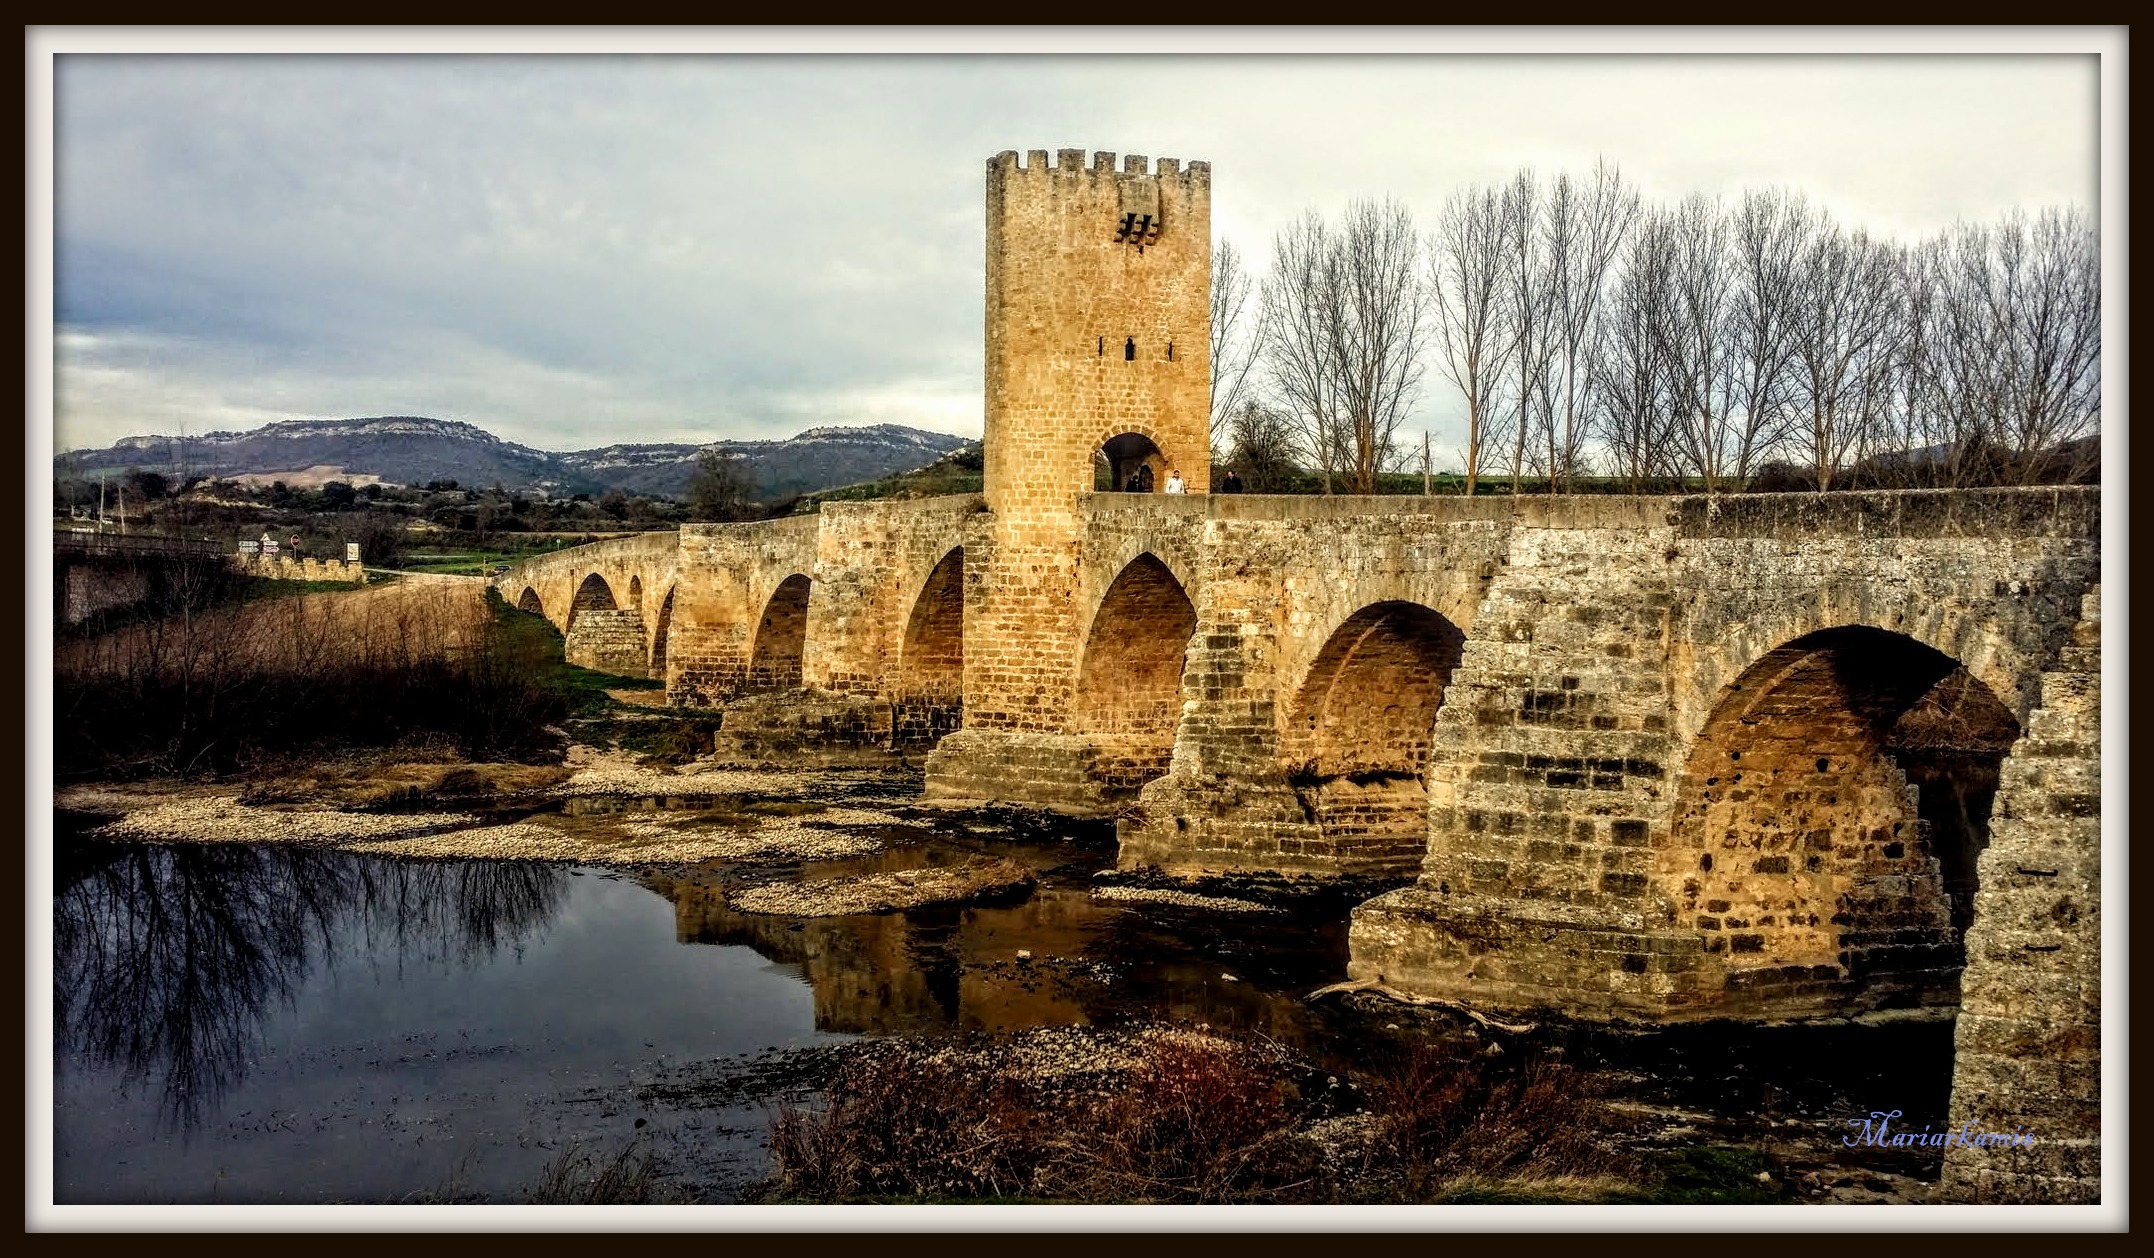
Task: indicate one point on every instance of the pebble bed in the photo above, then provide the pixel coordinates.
(1180, 899)
(883, 893)
(222, 819)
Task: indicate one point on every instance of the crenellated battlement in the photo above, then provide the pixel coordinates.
(1071, 164)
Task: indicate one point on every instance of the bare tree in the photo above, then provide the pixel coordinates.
(1633, 401)
(1300, 341)
(1465, 282)
(1234, 343)
(1526, 290)
(1769, 235)
(2050, 272)
(1344, 313)
(1583, 233)
(1846, 319)
(1694, 341)
(1383, 313)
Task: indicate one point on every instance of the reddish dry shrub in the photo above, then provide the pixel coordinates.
(1442, 1118)
(899, 1125)
(1200, 1120)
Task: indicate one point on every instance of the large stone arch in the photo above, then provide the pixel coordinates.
(1981, 636)
(1825, 824)
(781, 636)
(1129, 683)
(1162, 546)
(1355, 737)
(928, 695)
(529, 601)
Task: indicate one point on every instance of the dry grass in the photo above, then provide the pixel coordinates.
(216, 689)
(1189, 1118)
(578, 1178)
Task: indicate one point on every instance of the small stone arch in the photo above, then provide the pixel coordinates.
(1826, 823)
(592, 595)
(659, 634)
(1129, 684)
(1357, 735)
(635, 592)
(930, 687)
(781, 637)
(528, 601)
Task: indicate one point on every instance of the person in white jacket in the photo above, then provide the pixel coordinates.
(1174, 482)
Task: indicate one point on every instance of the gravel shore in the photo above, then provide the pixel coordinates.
(884, 893)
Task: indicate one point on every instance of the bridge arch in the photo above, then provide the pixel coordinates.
(529, 601)
(1357, 733)
(781, 637)
(635, 591)
(592, 595)
(1129, 684)
(930, 687)
(1816, 877)
(659, 633)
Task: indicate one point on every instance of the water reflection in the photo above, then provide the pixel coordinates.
(955, 967)
(167, 959)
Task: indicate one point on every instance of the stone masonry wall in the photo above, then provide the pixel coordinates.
(728, 576)
(306, 568)
(1281, 581)
(1594, 663)
(2029, 1030)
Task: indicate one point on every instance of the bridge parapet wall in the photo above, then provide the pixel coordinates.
(871, 561)
(728, 573)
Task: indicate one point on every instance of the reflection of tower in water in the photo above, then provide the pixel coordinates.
(955, 967)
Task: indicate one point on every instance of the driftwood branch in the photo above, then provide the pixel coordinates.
(1408, 998)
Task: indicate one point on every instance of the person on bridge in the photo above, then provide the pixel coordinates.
(1232, 484)
(1140, 481)
(1174, 482)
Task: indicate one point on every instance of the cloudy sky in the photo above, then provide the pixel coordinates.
(575, 251)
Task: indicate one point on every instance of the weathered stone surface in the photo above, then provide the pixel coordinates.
(804, 727)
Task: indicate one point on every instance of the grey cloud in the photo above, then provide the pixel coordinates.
(577, 251)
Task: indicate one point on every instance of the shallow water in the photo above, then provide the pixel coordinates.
(285, 1024)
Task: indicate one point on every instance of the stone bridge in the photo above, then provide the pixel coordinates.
(1655, 758)
(1743, 756)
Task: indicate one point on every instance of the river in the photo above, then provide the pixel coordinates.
(246, 1023)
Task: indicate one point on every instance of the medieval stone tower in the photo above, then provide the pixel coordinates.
(1098, 365)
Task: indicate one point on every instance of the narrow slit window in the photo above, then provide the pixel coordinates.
(1170, 351)
(1103, 347)
(1129, 350)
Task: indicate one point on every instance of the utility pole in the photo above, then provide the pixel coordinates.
(1426, 489)
(100, 500)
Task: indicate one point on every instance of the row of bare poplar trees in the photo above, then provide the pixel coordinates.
(1585, 333)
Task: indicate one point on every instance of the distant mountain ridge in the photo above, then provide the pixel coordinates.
(413, 450)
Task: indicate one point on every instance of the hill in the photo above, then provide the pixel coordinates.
(412, 450)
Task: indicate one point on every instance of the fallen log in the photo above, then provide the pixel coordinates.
(1408, 998)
